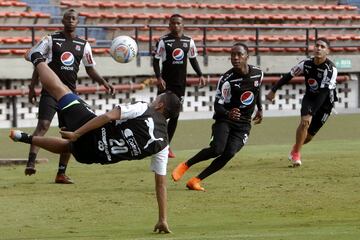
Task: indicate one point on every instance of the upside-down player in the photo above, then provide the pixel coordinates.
(128, 132)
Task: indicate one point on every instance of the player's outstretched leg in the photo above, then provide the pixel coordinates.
(51, 144)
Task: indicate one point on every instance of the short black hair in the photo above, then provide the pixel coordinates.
(242, 45)
(323, 39)
(70, 10)
(176, 15)
(172, 104)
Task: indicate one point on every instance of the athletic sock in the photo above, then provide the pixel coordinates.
(32, 157)
(61, 168)
(25, 138)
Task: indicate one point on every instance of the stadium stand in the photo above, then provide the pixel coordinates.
(271, 28)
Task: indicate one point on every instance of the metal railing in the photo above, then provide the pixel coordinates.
(258, 31)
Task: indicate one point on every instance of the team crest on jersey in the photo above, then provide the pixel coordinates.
(256, 83)
(313, 84)
(77, 48)
(67, 58)
(185, 45)
(178, 54)
(247, 98)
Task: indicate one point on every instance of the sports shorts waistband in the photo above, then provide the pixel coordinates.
(68, 100)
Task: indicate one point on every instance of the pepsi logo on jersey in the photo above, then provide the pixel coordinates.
(178, 56)
(247, 98)
(313, 84)
(67, 58)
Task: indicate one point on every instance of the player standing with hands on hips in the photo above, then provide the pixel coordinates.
(320, 94)
(237, 94)
(174, 49)
(64, 51)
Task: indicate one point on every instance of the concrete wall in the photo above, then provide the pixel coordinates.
(15, 73)
(17, 68)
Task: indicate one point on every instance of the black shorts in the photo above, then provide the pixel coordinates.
(312, 103)
(47, 107)
(229, 136)
(76, 115)
(320, 117)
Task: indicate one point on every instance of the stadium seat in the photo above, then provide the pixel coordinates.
(5, 51)
(13, 18)
(169, 5)
(292, 50)
(184, 5)
(284, 7)
(18, 51)
(90, 4)
(138, 5)
(71, 4)
(351, 49)
(153, 5)
(107, 5)
(277, 50)
(228, 6)
(271, 7)
(243, 7)
(109, 18)
(99, 51)
(214, 6)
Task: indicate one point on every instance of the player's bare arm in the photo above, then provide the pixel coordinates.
(161, 196)
(33, 83)
(270, 96)
(258, 117)
(93, 74)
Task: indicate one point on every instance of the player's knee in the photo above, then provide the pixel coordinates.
(217, 150)
(305, 123)
(229, 155)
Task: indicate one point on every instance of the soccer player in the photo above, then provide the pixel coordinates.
(237, 93)
(320, 94)
(173, 49)
(64, 52)
(127, 132)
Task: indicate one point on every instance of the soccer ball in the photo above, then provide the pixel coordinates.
(123, 49)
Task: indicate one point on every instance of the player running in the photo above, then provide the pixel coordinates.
(237, 93)
(320, 94)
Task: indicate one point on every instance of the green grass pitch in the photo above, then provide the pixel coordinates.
(256, 196)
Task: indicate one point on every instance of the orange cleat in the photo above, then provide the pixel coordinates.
(63, 179)
(194, 184)
(179, 171)
(171, 154)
